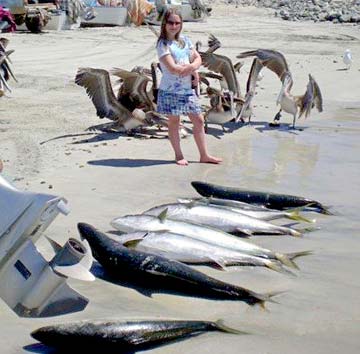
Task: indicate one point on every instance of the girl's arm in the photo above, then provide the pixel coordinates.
(177, 69)
(195, 59)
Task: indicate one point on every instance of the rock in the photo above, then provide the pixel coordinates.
(310, 10)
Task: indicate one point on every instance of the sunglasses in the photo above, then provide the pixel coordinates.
(172, 23)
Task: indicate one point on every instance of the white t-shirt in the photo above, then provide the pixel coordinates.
(170, 82)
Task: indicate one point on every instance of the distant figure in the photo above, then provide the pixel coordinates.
(347, 59)
(179, 62)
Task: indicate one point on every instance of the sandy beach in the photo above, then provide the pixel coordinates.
(46, 147)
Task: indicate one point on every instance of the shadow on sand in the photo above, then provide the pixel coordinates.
(100, 348)
(130, 162)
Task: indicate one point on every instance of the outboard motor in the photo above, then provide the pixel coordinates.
(30, 285)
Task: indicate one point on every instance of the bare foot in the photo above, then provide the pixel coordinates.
(211, 159)
(182, 162)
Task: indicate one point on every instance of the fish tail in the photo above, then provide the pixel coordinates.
(307, 229)
(284, 259)
(295, 233)
(261, 299)
(325, 210)
(322, 209)
(294, 255)
(220, 325)
(277, 267)
(294, 214)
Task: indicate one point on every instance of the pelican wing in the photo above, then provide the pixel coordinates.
(3, 43)
(6, 65)
(311, 98)
(134, 85)
(256, 67)
(98, 87)
(223, 65)
(213, 44)
(210, 75)
(317, 95)
(272, 59)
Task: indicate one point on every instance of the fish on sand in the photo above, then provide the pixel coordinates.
(123, 336)
(118, 259)
(270, 200)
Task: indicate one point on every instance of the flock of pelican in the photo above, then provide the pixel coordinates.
(135, 103)
(5, 67)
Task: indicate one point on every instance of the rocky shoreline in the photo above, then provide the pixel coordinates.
(347, 11)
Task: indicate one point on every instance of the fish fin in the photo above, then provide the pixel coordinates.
(190, 204)
(220, 325)
(294, 255)
(162, 215)
(131, 244)
(294, 215)
(246, 232)
(218, 264)
(284, 259)
(145, 292)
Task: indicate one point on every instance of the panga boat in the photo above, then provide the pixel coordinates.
(189, 11)
(107, 16)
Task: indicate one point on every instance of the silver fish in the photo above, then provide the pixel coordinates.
(224, 219)
(131, 223)
(189, 250)
(254, 211)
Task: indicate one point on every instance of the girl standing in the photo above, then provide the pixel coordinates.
(179, 62)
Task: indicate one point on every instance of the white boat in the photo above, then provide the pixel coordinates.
(107, 16)
(189, 12)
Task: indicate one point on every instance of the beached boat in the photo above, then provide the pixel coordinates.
(190, 12)
(107, 16)
(21, 10)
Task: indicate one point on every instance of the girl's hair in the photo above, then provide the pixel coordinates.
(170, 11)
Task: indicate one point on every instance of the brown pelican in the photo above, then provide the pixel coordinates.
(276, 62)
(98, 87)
(300, 105)
(133, 90)
(222, 65)
(5, 67)
(223, 107)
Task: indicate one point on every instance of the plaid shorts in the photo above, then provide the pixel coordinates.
(174, 104)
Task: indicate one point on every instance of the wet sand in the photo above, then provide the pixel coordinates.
(105, 175)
